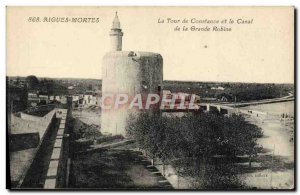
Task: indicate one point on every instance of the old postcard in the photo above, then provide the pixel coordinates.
(150, 98)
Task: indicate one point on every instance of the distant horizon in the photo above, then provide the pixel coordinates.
(74, 78)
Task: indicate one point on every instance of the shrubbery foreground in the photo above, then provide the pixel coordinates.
(203, 147)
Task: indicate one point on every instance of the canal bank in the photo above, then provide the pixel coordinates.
(275, 164)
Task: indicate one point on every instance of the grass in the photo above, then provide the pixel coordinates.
(111, 169)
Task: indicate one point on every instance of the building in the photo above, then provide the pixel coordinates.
(35, 99)
(127, 72)
(218, 88)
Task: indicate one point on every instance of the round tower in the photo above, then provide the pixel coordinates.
(116, 35)
(130, 73)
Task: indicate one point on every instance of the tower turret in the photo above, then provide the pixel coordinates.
(116, 35)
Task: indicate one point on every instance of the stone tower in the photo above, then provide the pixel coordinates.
(127, 72)
(116, 35)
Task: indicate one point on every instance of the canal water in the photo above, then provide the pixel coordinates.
(274, 108)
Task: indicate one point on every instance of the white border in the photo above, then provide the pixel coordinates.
(5, 3)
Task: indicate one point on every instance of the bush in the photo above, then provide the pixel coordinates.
(192, 142)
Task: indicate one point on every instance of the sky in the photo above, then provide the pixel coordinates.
(261, 52)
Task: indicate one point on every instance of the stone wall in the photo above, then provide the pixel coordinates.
(48, 169)
(33, 172)
(30, 124)
(57, 172)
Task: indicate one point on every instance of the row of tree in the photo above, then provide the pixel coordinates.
(200, 146)
(248, 92)
(45, 86)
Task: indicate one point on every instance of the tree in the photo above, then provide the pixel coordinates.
(32, 82)
(148, 130)
(202, 146)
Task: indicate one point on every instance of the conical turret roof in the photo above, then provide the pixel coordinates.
(116, 22)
